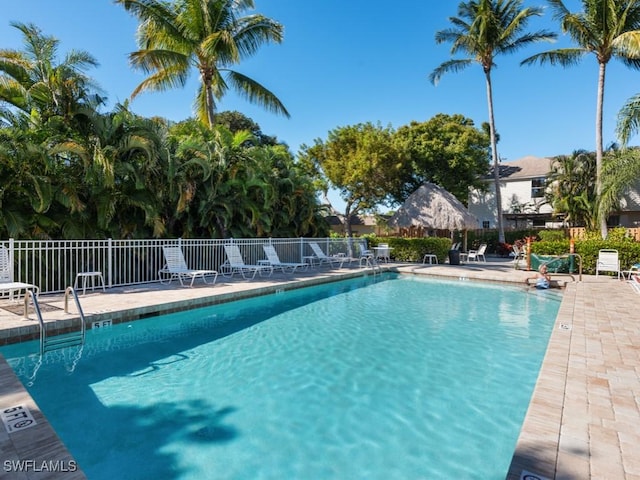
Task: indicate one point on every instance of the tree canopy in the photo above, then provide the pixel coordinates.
(606, 29)
(483, 30)
(211, 36)
(360, 161)
(447, 150)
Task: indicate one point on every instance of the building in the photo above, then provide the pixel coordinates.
(522, 184)
(523, 202)
(360, 225)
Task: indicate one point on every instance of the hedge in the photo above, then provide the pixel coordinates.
(414, 249)
(628, 251)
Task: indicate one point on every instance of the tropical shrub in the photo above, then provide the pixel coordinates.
(414, 249)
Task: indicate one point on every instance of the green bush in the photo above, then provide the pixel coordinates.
(552, 235)
(628, 251)
(414, 249)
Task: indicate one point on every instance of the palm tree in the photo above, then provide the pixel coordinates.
(628, 120)
(33, 82)
(571, 187)
(620, 171)
(483, 30)
(209, 35)
(116, 162)
(606, 29)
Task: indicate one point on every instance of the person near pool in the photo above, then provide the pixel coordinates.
(543, 279)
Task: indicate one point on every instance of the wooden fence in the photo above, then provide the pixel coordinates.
(579, 232)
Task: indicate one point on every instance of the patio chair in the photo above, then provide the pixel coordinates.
(633, 270)
(274, 260)
(7, 285)
(322, 257)
(176, 267)
(235, 264)
(517, 254)
(477, 255)
(608, 261)
(634, 281)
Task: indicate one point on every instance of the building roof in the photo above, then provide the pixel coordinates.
(525, 167)
(365, 220)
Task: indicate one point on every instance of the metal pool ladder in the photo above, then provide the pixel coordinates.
(56, 342)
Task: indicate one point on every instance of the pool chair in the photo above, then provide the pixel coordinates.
(477, 255)
(274, 260)
(633, 270)
(7, 285)
(176, 267)
(608, 261)
(235, 264)
(322, 258)
(634, 281)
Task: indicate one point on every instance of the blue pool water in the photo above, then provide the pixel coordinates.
(405, 378)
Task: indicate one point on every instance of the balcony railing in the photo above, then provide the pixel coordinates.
(53, 264)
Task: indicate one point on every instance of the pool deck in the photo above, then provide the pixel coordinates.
(583, 417)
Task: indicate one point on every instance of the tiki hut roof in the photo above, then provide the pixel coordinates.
(433, 207)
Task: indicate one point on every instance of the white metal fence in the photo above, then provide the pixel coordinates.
(53, 264)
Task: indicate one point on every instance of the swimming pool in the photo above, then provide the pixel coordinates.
(403, 378)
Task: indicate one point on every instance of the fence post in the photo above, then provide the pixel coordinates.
(110, 262)
(11, 257)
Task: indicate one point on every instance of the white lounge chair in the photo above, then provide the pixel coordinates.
(477, 255)
(7, 285)
(235, 264)
(176, 267)
(634, 281)
(274, 260)
(322, 257)
(608, 261)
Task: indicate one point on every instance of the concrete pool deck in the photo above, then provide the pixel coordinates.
(582, 419)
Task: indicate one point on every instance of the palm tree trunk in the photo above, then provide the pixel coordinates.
(599, 147)
(211, 107)
(496, 160)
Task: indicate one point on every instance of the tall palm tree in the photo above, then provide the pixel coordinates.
(208, 35)
(606, 29)
(482, 30)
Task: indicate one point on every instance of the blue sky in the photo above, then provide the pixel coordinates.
(344, 62)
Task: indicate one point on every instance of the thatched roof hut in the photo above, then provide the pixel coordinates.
(431, 206)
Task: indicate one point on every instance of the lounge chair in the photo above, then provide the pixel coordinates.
(477, 255)
(235, 264)
(633, 270)
(322, 257)
(634, 281)
(274, 260)
(176, 267)
(7, 285)
(608, 261)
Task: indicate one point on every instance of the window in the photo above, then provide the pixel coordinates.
(537, 187)
(486, 224)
